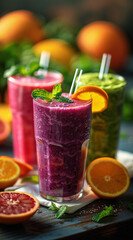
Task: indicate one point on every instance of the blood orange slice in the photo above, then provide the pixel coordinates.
(16, 207)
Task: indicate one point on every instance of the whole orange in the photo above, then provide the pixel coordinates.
(59, 50)
(20, 25)
(101, 37)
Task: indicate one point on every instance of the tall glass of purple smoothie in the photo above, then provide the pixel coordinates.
(20, 100)
(62, 133)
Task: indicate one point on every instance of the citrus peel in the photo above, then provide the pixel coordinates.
(17, 206)
(95, 94)
(107, 177)
(24, 167)
(9, 173)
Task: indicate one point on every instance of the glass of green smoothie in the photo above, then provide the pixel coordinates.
(105, 126)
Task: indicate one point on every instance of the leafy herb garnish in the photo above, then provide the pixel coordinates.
(42, 94)
(53, 207)
(55, 95)
(63, 99)
(60, 211)
(32, 179)
(28, 70)
(104, 213)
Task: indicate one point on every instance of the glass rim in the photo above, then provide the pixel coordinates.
(55, 73)
(85, 103)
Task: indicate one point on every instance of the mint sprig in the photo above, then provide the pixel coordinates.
(42, 94)
(55, 95)
(104, 213)
(60, 211)
(28, 70)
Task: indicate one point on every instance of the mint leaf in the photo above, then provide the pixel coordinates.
(42, 94)
(57, 90)
(33, 179)
(61, 211)
(11, 71)
(63, 99)
(22, 70)
(53, 207)
(104, 213)
(33, 67)
(50, 197)
(55, 95)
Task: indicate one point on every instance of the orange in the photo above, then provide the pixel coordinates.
(9, 173)
(20, 25)
(16, 207)
(5, 130)
(24, 167)
(5, 113)
(107, 177)
(101, 37)
(59, 50)
(98, 96)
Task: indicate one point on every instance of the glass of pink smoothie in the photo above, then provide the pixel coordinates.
(20, 100)
(62, 133)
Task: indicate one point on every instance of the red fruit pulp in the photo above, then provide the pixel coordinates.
(16, 207)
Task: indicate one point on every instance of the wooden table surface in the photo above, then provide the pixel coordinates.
(44, 225)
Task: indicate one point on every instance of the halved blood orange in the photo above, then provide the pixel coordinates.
(24, 167)
(107, 177)
(16, 207)
(98, 96)
(9, 173)
(5, 130)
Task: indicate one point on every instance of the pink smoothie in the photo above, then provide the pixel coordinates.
(20, 100)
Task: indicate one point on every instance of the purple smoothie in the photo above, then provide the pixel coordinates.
(62, 132)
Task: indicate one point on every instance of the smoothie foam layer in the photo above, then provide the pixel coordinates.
(108, 82)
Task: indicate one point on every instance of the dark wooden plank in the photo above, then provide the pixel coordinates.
(44, 225)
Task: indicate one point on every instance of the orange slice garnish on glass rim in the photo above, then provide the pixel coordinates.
(107, 177)
(98, 96)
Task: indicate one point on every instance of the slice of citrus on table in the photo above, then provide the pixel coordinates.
(107, 177)
(16, 207)
(24, 167)
(98, 96)
(9, 173)
(5, 130)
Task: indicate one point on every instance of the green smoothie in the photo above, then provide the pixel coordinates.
(105, 125)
